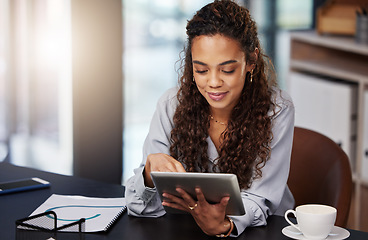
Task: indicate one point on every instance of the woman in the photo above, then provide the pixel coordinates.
(227, 116)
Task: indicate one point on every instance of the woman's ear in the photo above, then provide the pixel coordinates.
(255, 54)
(253, 57)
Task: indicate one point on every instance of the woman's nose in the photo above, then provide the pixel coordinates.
(214, 80)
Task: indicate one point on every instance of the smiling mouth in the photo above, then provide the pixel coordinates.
(216, 96)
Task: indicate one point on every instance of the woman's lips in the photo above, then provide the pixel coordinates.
(216, 96)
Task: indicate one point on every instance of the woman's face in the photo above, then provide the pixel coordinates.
(219, 69)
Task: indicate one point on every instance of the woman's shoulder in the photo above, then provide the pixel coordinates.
(282, 100)
(168, 101)
(169, 96)
(280, 96)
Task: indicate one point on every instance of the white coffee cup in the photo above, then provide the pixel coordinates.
(315, 221)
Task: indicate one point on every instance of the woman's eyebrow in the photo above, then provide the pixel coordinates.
(199, 62)
(228, 62)
(221, 64)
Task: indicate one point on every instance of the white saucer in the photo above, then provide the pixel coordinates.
(337, 233)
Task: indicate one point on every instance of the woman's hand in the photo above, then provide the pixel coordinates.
(160, 162)
(209, 217)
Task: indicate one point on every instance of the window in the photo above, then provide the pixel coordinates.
(36, 79)
(4, 55)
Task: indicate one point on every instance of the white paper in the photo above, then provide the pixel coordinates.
(98, 212)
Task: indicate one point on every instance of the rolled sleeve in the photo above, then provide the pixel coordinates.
(254, 216)
(141, 200)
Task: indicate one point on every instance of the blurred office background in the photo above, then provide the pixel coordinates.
(36, 116)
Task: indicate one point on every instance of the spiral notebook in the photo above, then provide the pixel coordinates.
(99, 213)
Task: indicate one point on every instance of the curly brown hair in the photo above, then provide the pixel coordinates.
(246, 145)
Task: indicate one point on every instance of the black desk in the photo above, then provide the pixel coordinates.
(169, 227)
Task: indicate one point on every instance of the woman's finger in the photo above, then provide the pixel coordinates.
(223, 203)
(187, 198)
(200, 196)
(159, 162)
(174, 199)
(175, 205)
(175, 202)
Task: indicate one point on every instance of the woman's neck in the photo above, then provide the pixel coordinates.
(219, 116)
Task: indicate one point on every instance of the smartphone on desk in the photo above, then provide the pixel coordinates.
(23, 185)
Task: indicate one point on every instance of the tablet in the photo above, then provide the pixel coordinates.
(214, 187)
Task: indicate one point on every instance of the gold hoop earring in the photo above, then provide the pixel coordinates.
(193, 79)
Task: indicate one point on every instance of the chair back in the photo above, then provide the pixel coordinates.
(320, 173)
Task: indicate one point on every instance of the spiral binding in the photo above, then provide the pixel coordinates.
(115, 218)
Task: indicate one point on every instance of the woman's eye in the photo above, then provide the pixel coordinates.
(201, 71)
(228, 72)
